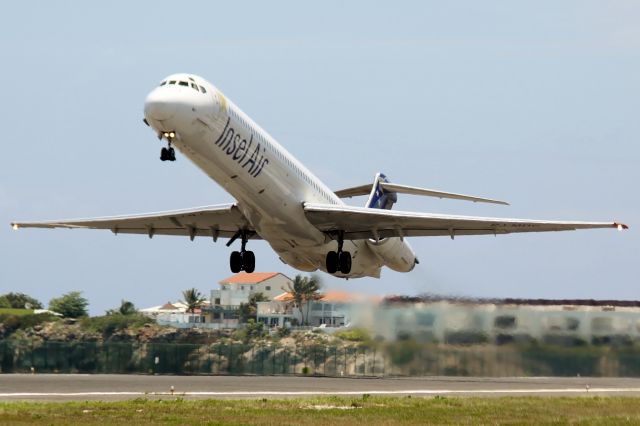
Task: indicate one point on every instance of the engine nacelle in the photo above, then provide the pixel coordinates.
(394, 253)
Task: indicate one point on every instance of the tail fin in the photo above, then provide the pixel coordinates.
(379, 198)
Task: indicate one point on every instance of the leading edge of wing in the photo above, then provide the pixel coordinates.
(216, 221)
(86, 222)
(362, 222)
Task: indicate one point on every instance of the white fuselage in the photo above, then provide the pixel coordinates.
(269, 184)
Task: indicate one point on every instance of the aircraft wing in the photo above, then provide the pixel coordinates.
(214, 221)
(362, 223)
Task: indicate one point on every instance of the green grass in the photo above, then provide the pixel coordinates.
(13, 311)
(332, 410)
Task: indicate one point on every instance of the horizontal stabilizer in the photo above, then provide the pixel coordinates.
(413, 190)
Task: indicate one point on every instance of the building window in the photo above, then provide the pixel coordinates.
(273, 321)
(505, 321)
(267, 288)
(216, 301)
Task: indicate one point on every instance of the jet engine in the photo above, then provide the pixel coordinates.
(394, 253)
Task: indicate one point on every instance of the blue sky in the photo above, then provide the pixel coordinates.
(536, 103)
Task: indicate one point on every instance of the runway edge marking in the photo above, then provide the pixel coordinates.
(311, 393)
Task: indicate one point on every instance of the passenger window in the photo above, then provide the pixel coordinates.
(203, 90)
(183, 83)
(172, 82)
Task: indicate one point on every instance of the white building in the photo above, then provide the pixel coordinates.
(503, 321)
(175, 314)
(334, 309)
(238, 289)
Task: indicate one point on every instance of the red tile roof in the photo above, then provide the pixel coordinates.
(284, 297)
(252, 278)
(168, 306)
(333, 297)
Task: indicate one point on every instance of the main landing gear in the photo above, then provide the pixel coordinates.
(339, 260)
(242, 260)
(168, 153)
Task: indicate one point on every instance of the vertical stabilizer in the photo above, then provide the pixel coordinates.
(379, 198)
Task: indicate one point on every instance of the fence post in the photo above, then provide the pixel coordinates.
(374, 362)
(324, 361)
(344, 358)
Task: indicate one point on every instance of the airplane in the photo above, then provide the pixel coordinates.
(280, 201)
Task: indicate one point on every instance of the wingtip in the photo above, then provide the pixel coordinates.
(15, 226)
(620, 226)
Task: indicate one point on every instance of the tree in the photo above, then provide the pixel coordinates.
(19, 301)
(126, 308)
(304, 290)
(70, 305)
(193, 299)
(249, 311)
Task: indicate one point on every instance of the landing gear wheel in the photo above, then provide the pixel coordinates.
(172, 154)
(332, 262)
(345, 262)
(235, 262)
(248, 261)
(164, 154)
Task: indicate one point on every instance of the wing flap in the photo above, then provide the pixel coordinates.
(214, 221)
(363, 223)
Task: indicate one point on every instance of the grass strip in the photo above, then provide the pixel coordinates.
(331, 410)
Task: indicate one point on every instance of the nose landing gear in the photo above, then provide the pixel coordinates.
(168, 153)
(242, 260)
(339, 260)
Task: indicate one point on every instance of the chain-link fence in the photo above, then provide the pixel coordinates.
(390, 359)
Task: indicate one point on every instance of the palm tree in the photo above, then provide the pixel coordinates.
(303, 290)
(249, 310)
(193, 299)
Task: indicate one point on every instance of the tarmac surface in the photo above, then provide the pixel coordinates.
(107, 387)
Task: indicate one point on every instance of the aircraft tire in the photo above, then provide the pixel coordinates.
(235, 262)
(345, 262)
(332, 262)
(248, 261)
(163, 154)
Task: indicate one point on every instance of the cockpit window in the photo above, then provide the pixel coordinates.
(193, 86)
(163, 83)
(183, 83)
(203, 90)
(172, 82)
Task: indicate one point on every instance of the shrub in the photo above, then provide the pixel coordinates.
(11, 323)
(109, 324)
(19, 301)
(70, 305)
(353, 335)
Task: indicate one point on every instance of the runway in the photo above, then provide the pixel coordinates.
(78, 387)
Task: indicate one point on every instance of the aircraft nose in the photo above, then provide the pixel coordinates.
(158, 106)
